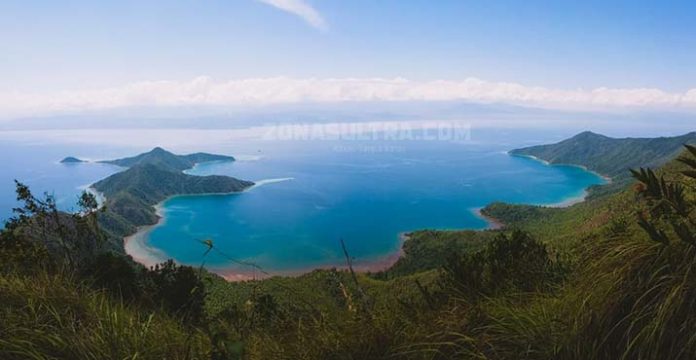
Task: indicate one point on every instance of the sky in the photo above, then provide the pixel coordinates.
(83, 55)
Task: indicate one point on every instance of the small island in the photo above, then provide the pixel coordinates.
(72, 160)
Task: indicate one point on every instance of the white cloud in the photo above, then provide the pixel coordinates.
(301, 9)
(204, 91)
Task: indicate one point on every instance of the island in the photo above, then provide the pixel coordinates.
(71, 160)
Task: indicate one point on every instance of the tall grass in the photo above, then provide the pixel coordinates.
(50, 316)
(636, 300)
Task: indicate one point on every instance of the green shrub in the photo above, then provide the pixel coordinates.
(179, 290)
(116, 274)
(514, 263)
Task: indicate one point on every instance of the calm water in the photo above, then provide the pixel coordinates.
(365, 193)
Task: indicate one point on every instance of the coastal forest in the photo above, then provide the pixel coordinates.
(612, 277)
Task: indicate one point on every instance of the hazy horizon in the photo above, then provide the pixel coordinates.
(246, 61)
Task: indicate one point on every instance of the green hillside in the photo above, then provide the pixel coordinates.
(165, 159)
(610, 156)
(153, 183)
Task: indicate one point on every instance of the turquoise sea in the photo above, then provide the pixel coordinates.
(311, 194)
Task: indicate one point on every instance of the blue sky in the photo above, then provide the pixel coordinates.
(81, 45)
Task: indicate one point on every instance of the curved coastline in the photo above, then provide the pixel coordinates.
(573, 199)
(496, 224)
(493, 223)
(545, 162)
(380, 263)
(136, 244)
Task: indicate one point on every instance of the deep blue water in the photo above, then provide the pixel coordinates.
(366, 193)
(39, 167)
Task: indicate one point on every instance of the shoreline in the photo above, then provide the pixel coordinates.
(493, 223)
(583, 167)
(136, 244)
(496, 224)
(570, 201)
(375, 265)
(574, 199)
(136, 247)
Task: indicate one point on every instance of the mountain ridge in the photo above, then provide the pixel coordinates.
(167, 159)
(609, 157)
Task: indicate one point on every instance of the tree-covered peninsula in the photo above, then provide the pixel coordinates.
(151, 178)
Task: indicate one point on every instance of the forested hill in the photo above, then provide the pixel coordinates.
(151, 178)
(610, 156)
(153, 183)
(132, 193)
(164, 158)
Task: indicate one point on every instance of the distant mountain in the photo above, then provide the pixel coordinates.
(609, 156)
(71, 160)
(166, 159)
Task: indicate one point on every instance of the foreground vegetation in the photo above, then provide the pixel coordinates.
(611, 278)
